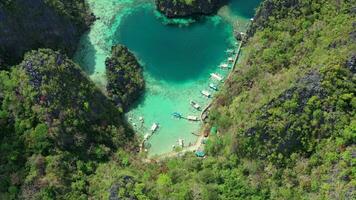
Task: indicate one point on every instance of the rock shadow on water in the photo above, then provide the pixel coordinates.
(244, 8)
(173, 53)
(86, 55)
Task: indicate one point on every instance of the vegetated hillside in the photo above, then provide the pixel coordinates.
(188, 8)
(286, 119)
(124, 77)
(289, 112)
(26, 25)
(56, 126)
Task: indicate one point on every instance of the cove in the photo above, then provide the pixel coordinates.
(177, 63)
(172, 53)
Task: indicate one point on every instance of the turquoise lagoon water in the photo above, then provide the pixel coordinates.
(177, 61)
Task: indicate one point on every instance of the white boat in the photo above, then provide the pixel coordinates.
(216, 76)
(192, 118)
(181, 142)
(147, 135)
(224, 66)
(141, 119)
(214, 87)
(230, 51)
(230, 59)
(154, 127)
(205, 93)
(195, 105)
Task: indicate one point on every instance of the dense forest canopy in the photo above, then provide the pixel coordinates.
(54, 24)
(53, 118)
(124, 76)
(286, 119)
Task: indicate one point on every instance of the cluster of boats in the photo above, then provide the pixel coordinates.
(215, 76)
(154, 128)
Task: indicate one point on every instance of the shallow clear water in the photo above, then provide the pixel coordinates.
(177, 62)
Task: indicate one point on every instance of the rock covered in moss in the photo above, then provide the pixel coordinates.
(188, 8)
(124, 76)
(75, 111)
(27, 25)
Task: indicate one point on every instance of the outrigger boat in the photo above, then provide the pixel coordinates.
(154, 127)
(229, 51)
(192, 118)
(230, 59)
(205, 93)
(216, 76)
(224, 66)
(177, 115)
(195, 105)
(147, 135)
(214, 87)
(181, 142)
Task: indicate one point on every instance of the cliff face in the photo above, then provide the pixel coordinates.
(269, 8)
(125, 78)
(26, 25)
(182, 8)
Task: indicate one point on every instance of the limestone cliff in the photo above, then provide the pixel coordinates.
(55, 24)
(188, 8)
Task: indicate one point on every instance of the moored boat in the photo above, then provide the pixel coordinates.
(216, 76)
(205, 93)
(213, 86)
(154, 127)
(177, 115)
(195, 105)
(224, 66)
(192, 118)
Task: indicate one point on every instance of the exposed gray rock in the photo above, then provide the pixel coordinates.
(26, 25)
(351, 63)
(179, 9)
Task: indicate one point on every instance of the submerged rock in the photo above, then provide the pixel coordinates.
(194, 8)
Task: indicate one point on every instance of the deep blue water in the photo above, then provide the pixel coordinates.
(173, 53)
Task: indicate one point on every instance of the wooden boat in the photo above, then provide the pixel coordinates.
(214, 87)
(224, 66)
(216, 76)
(195, 105)
(192, 118)
(154, 127)
(177, 115)
(205, 93)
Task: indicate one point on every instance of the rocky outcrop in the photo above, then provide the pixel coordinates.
(183, 9)
(351, 63)
(266, 9)
(26, 25)
(306, 87)
(124, 76)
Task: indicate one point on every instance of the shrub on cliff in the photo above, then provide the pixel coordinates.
(124, 76)
(55, 123)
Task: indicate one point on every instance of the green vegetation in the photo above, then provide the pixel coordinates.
(76, 10)
(56, 126)
(286, 120)
(124, 76)
(188, 8)
(286, 125)
(27, 25)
